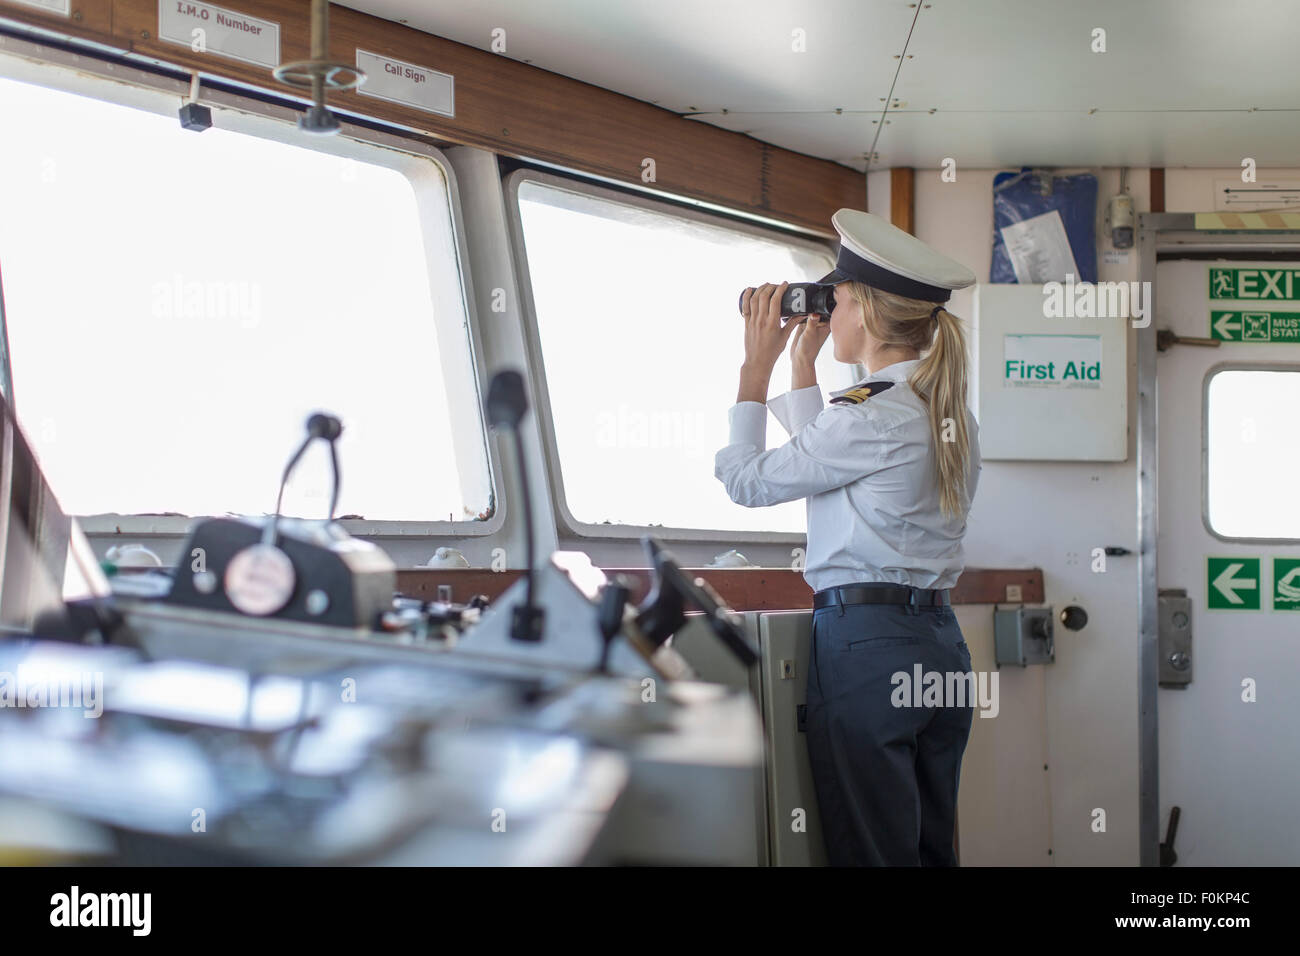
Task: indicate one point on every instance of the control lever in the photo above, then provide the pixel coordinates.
(319, 425)
(613, 604)
(506, 403)
(1167, 855)
(260, 579)
(663, 612)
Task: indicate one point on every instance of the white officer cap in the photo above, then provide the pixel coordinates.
(877, 253)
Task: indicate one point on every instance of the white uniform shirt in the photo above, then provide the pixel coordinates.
(868, 472)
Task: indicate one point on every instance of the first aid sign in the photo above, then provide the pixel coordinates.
(1060, 361)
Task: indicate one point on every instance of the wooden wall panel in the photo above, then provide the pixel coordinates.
(902, 198)
(88, 19)
(512, 108)
(520, 110)
(135, 28)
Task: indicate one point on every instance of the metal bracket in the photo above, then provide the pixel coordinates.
(1175, 637)
(319, 74)
(1167, 339)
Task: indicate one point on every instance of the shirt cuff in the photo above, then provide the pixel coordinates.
(797, 407)
(749, 424)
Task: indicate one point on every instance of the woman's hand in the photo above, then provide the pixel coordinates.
(805, 345)
(764, 338)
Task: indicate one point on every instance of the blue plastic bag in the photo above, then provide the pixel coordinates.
(1034, 206)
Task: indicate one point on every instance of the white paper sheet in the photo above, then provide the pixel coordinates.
(1040, 250)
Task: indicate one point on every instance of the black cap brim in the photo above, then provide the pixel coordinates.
(850, 267)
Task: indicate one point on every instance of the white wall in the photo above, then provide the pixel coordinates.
(1049, 515)
(1052, 515)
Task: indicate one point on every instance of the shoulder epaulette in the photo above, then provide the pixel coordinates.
(860, 394)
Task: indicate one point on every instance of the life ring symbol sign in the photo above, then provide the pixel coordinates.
(1286, 587)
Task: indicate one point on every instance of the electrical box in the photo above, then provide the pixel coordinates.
(1023, 636)
(1052, 369)
(790, 832)
(785, 642)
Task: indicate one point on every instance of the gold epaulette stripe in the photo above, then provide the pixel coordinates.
(855, 397)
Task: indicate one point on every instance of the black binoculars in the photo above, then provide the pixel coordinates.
(804, 298)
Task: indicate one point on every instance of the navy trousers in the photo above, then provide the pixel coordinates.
(886, 775)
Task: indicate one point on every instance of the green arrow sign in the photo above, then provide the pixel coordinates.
(1273, 284)
(1286, 584)
(1255, 326)
(1232, 584)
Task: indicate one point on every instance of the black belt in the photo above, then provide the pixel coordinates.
(880, 593)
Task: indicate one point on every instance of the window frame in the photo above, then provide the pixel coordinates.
(1210, 374)
(124, 85)
(565, 519)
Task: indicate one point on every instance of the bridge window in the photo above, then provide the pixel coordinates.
(179, 302)
(1251, 454)
(642, 341)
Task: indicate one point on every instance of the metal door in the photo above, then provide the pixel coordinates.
(1228, 741)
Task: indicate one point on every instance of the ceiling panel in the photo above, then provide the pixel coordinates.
(1160, 55)
(979, 140)
(686, 54)
(993, 82)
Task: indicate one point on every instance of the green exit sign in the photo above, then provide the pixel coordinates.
(1255, 326)
(1260, 283)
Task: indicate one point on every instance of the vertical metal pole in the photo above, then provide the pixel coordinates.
(1148, 626)
(320, 29)
(6, 370)
(320, 41)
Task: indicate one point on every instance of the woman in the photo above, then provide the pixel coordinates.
(889, 470)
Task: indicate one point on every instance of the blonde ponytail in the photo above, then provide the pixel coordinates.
(939, 379)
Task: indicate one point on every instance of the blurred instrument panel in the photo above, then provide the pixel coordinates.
(272, 699)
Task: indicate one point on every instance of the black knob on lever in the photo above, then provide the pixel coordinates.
(506, 399)
(324, 426)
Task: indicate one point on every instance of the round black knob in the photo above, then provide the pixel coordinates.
(321, 425)
(1074, 617)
